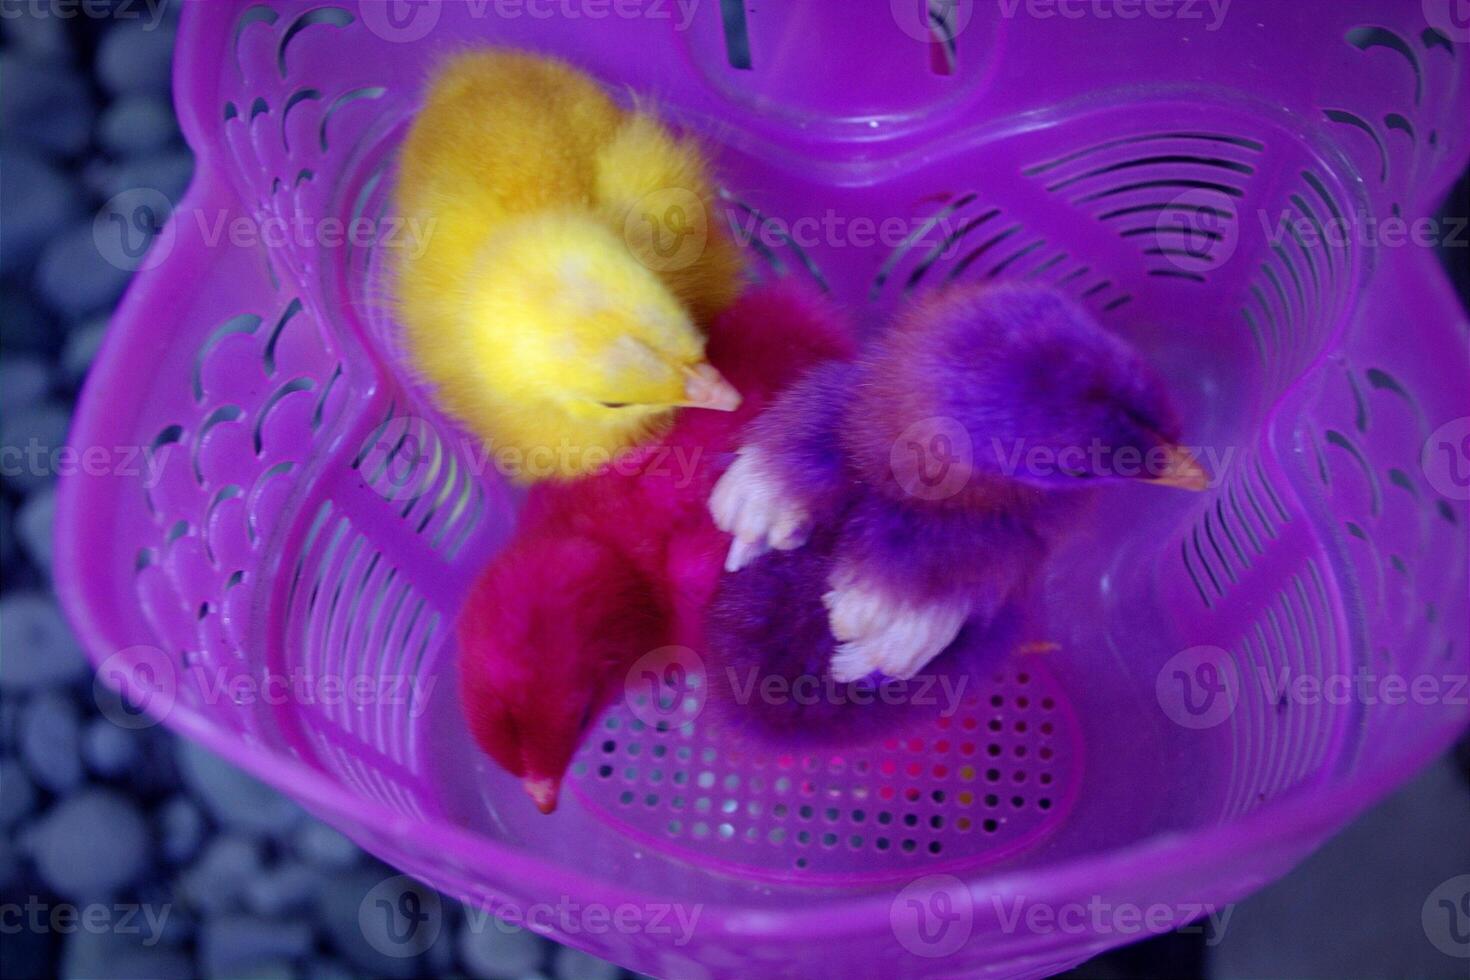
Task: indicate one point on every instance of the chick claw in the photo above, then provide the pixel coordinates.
(749, 503)
(876, 633)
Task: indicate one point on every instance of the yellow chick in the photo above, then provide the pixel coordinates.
(570, 259)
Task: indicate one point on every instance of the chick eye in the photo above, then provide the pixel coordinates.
(613, 404)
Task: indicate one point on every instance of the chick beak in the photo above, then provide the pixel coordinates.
(543, 791)
(704, 387)
(1181, 470)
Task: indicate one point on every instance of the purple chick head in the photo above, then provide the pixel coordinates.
(1016, 382)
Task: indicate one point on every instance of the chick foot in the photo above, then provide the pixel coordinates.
(750, 503)
(878, 633)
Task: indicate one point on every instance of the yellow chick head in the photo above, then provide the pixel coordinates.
(584, 346)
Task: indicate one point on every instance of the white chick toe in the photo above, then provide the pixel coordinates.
(749, 503)
(876, 633)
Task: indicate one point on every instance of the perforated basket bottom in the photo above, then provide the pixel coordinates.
(967, 786)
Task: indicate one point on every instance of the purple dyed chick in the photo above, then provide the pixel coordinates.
(883, 503)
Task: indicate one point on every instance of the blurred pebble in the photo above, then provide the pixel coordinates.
(7, 534)
(167, 172)
(35, 203)
(31, 437)
(9, 863)
(50, 742)
(81, 349)
(320, 969)
(44, 36)
(136, 124)
(23, 326)
(39, 647)
(213, 883)
(231, 945)
(24, 381)
(181, 829)
(324, 846)
(232, 797)
(27, 953)
(44, 104)
(284, 888)
(91, 845)
(122, 956)
(17, 792)
(109, 750)
(75, 278)
(33, 525)
(573, 964)
(136, 59)
(359, 938)
(10, 708)
(489, 951)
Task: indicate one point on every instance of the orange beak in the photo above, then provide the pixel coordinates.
(1182, 471)
(543, 791)
(704, 387)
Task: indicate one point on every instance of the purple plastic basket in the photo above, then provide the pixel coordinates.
(1177, 173)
